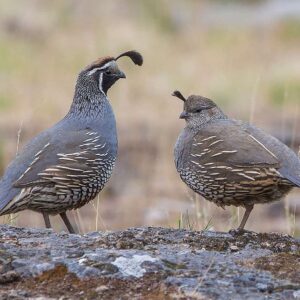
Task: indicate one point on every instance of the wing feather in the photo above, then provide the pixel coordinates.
(72, 157)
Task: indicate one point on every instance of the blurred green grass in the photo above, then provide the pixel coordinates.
(285, 91)
(289, 30)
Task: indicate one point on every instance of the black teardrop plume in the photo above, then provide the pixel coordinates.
(178, 95)
(135, 56)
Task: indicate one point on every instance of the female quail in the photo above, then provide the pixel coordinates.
(230, 162)
(67, 165)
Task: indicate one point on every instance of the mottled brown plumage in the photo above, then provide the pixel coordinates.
(230, 162)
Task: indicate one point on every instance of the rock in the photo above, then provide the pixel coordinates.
(234, 248)
(147, 263)
(9, 276)
(102, 288)
(296, 294)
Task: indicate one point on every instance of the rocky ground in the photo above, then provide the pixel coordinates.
(147, 263)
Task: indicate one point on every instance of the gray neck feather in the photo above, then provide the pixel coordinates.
(88, 101)
(199, 121)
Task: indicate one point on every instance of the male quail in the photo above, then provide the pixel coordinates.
(67, 165)
(231, 162)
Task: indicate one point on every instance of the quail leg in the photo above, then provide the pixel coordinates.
(246, 216)
(47, 220)
(67, 222)
(240, 230)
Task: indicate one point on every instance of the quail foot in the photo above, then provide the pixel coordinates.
(67, 165)
(231, 162)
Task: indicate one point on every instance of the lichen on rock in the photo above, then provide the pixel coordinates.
(148, 263)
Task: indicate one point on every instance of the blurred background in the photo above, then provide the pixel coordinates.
(243, 54)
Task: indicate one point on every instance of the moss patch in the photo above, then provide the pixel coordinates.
(59, 282)
(281, 265)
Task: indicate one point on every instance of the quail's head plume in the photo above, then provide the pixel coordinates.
(198, 110)
(104, 72)
(231, 162)
(67, 165)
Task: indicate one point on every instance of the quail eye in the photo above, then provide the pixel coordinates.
(107, 72)
(198, 110)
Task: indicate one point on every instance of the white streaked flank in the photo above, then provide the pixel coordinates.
(208, 138)
(246, 176)
(263, 146)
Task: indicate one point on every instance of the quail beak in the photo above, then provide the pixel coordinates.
(183, 115)
(120, 74)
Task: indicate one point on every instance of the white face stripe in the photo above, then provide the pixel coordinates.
(100, 82)
(103, 67)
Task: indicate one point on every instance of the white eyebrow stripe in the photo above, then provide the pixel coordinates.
(106, 65)
(93, 71)
(97, 69)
